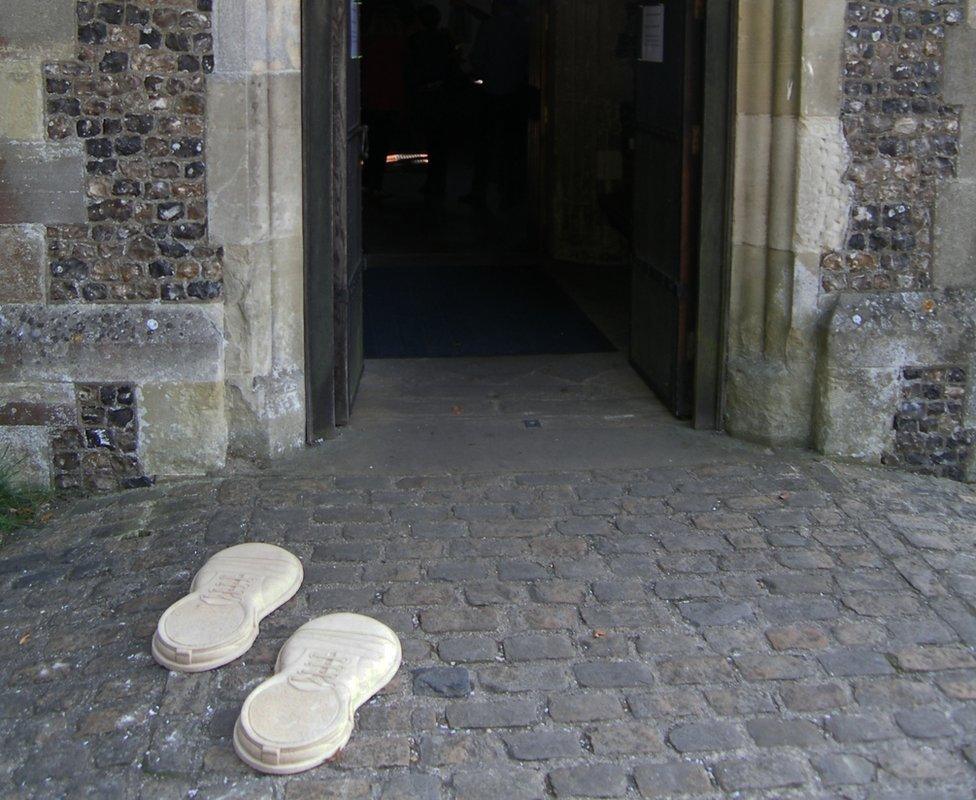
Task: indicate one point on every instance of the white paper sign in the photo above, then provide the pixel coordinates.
(652, 38)
(355, 7)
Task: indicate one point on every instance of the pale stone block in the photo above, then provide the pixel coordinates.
(229, 22)
(954, 236)
(256, 205)
(284, 36)
(821, 87)
(26, 449)
(787, 81)
(54, 394)
(855, 408)
(769, 57)
(807, 296)
(868, 340)
(257, 37)
(285, 133)
(111, 343)
(747, 299)
(42, 183)
(238, 166)
(824, 201)
(266, 414)
(959, 65)
(770, 401)
(782, 177)
(286, 412)
(967, 142)
(247, 433)
(46, 26)
(22, 264)
(878, 331)
(182, 428)
(750, 215)
(22, 90)
(265, 331)
(754, 88)
(248, 314)
(824, 24)
(289, 302)
(777, 314)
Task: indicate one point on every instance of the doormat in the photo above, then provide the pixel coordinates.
(443, 312)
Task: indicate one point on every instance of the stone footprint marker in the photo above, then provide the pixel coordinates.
(219, 620)
(305, 713)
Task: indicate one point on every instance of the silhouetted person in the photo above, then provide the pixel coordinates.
(500, 60)
(432, 70)
(385, 89)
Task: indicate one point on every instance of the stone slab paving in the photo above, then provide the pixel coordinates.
(770, 630)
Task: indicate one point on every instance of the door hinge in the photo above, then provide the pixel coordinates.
(696, 140)
(700, 9)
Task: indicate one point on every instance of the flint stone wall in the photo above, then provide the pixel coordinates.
(849, 299)
(109, 287)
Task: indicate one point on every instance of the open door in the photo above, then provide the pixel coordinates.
(348, 156)
(667, 200)
(333, 141)
(317, 188)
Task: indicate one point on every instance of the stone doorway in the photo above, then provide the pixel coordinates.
(607, 175)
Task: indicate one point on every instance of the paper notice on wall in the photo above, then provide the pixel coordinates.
(652, 38)
(355, 18)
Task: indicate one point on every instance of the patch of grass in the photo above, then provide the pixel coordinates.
(20, 505)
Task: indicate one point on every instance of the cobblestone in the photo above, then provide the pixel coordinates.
(543, 745)
(926, 723)
(538, 647)
(671, 780)
(499, 714)
(696, 737)
(760, 773)
(838, 769)
(613, 674)
(468, 649)
(601, 780)
(585, 707)
(629, 653)
(771, 732)
(860, 728)
(442, 682)
(625, 739)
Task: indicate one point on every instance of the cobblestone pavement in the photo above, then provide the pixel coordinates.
(765, 629)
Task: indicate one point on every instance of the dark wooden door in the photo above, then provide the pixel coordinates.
(317, 183)
(666, 207)
(350, 138)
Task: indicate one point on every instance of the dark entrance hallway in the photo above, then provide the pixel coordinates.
(457, 262)
(516, 178)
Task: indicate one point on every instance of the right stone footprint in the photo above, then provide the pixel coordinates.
(304, 713)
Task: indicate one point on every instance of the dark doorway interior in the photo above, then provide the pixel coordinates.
(509, 141)
(457, 263)
(449, 101)
(439, 311)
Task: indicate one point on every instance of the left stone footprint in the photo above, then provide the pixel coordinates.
(230, 595)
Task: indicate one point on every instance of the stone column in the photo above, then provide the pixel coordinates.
(954, 233)
(898, 362)
(255, 198)
(790, 203)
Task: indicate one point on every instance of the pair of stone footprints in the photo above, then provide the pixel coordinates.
(328, 668)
